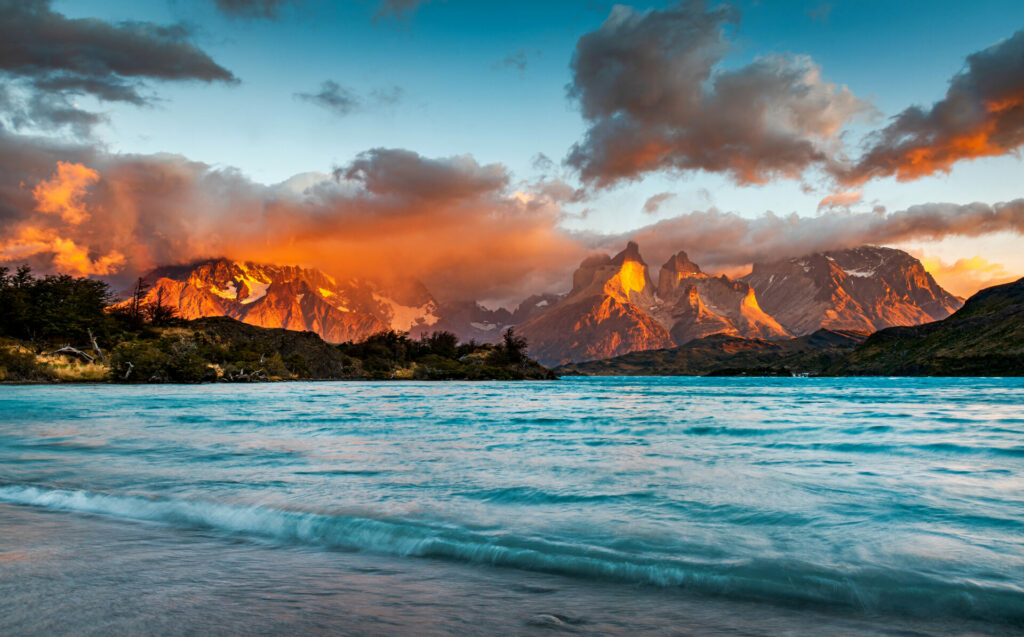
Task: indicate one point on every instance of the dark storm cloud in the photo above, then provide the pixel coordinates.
(343, 101)
(653, 203)
(982, 115)
(387, 171)
(649, 85)
(38, 42)
(268, 9)
(48, 58)
(398, 8)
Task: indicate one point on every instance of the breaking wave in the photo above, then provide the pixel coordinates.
(778, 580)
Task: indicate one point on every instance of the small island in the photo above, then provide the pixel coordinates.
(59, 328)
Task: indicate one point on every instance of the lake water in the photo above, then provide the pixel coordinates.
(590, 505)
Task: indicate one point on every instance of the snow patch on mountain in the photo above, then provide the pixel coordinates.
(404, 318)
(228, 292)
(257, 290)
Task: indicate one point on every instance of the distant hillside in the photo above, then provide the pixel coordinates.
(723, 354)
(984, 338)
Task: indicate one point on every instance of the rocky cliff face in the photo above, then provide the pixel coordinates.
(293, 298)
(605, 314)
(867, 288)
(693, 305)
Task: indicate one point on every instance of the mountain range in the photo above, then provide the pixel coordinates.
(613, 308)
(293, 298)
(985, 337)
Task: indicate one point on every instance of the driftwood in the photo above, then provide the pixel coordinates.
(128, 371)
(96, 348)
(68, 350)
(241, 376)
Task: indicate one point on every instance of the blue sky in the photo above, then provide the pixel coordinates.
(459, 96)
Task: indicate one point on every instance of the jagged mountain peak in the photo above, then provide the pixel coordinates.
(612, 309)
(680, 263)
(676, 275)
(623, 276)
(630, 253)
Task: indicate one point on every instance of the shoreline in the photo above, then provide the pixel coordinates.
(361, 592)
(75, 383)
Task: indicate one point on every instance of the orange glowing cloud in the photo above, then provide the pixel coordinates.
(964, 277)
(458, 225)
(916, 162)
(59, 199)
(840, 199)
(982, 115)
(62, 193)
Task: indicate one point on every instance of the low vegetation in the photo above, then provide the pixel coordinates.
(63, 329)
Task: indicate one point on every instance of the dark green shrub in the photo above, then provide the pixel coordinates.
(297, 365)
(138, 362)
(443, 344)
(173, 360)
(435, 367)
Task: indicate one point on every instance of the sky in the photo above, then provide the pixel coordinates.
(435, 138)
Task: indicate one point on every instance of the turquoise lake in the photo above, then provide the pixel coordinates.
(730, 506)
